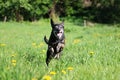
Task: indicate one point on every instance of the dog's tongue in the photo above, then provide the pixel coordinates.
(59, 34)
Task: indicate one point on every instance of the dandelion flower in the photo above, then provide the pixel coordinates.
(63, 71)
(91, 53)
(70, 68)
(43, 51)
(52, 73)
(13, 55)
(47, 77)
(34, 79)
(41, 44)
(13, 62)
(76, 41)
(2, 45)
(33, 44)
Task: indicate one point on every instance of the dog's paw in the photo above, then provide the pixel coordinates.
(57, 56)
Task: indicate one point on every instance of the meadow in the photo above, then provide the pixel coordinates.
(90, 53)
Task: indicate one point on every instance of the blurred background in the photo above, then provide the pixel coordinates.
(100, 11)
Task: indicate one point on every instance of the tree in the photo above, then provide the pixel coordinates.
(103, 11)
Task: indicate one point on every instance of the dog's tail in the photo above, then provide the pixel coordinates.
(46, 40)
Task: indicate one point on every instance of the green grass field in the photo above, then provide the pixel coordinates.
(91, 53)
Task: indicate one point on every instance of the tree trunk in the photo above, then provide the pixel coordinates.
(53, 14)
(5, 18)
(19, 17)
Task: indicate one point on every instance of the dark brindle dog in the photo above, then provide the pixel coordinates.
(56, 41)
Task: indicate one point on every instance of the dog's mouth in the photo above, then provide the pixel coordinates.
(58, 34)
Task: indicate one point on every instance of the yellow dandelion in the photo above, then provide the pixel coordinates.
(14, 62)
(34, 79)
(2, 45)
(76, 41)
(33, 44)
(97, 35)
(13, 55)
(43, 51)
(47, 77)
(41, 44)
(63, 71)
(91, 53)
(70, 68)
(52, 73)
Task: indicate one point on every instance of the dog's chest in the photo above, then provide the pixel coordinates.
(57, 48)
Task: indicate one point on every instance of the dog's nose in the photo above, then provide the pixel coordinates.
(60, 31)
(57, 30)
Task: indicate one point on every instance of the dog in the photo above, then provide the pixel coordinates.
(56, 41)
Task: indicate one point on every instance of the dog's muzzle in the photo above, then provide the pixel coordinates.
(58, 34)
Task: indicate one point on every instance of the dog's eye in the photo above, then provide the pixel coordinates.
(61, 26)
(56, 26)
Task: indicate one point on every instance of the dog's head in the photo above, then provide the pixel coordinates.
(58, 29)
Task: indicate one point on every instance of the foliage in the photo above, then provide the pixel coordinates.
(23, 9)
(90, 53)
(107, 11)
(103, 11)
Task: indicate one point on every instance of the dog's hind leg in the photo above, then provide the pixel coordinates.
(48, 59)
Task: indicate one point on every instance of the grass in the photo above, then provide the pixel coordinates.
(91, 53)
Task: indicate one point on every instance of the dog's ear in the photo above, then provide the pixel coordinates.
(52, 23)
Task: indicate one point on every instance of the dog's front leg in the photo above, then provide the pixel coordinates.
(59, 48)
(50, 53)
